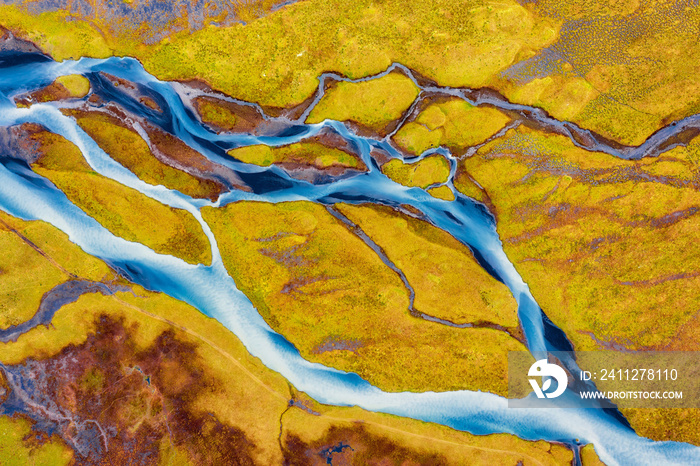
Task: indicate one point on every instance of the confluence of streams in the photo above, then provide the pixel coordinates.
(211, 290)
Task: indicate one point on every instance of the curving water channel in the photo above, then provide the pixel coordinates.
(211, 290)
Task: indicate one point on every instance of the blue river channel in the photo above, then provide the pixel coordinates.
(211, 290)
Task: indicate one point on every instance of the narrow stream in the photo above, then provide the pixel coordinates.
(212, 291)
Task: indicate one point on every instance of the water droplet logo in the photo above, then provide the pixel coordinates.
(542, 368)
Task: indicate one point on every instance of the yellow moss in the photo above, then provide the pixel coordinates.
(680, 162)
(258, 154)
(583, 8)
(641, 76)
(448, 282)
(77, 86)
(25, 277)
(374, 103)
(455, 124)
(303, 153)
(305, 290)
(421, 438)
(244, 394)
(618, 122)
(677, 424)
(589, 457)
(607, 252)
(465, 185)
(430, 170)
(416, 138)
(56, 34)
(129, 149)
(442, 192)
(121, 209)
(64, 87)
(637, 78)
(531, 92)
(432, 117)
(26, 274)
(467, 125)
(563, 98)
(671, 168)
(17, 448)
(169, 454)
(278, 58)
(216, 114)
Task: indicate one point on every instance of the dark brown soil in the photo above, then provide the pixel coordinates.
(124, 404)
(354, 445)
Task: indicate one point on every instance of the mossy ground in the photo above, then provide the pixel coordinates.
(301, 153)
(26, 274)
(293, 265)
(442, 192)
(373, 104)
(466, 185)
(455, 124)
(596, 238)
(607, 246)
(77, 86)
(589, 457)
(448, 282)
(404, 441)
(624, 87)
(56, 34)
(129, 149)
(64, 87)
(624, 69)
(222, 115)
(20, 446)
(679, 424)
(118, 208)
(194, 370)
(217, 115)
(423, 173)
(279, 57)
(441, 39)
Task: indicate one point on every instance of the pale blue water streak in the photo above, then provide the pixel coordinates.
(211, 289)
